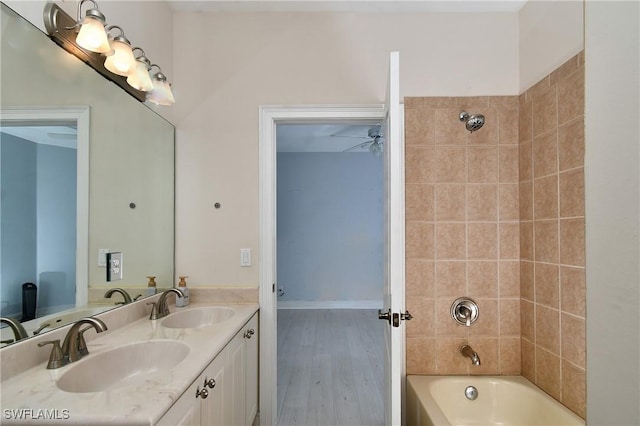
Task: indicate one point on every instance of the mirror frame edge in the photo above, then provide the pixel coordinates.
(81, 115)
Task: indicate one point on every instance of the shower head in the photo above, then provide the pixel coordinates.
(472, 122)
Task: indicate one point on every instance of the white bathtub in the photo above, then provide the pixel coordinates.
(501, 400)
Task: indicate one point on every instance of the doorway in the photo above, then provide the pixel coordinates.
(330, 255)
(270, 116)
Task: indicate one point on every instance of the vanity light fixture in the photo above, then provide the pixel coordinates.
(161, 93)
(92, 35)
(139, 79)
(121, 66)
(121, 61)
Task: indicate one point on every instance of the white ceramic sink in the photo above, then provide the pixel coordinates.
(122, 365)
(198, 317)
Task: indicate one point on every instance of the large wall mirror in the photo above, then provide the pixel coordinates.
(85, 168)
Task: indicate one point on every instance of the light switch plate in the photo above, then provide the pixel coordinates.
(114, 266)
(245, 257)
(102, 257)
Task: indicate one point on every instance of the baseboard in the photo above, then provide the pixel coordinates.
(330, 304)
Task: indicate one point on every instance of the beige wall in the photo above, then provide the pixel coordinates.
(550, 32)
(552, 239)
(612, 175)
(462, 234)
(227, 65)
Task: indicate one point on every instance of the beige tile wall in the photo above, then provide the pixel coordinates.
(462, 234)
(498, 215)
(552, 244)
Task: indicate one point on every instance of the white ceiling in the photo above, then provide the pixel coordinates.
(322, 137)
(433, 6)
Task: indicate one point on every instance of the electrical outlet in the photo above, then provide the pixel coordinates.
(102, 257)
(114, 266)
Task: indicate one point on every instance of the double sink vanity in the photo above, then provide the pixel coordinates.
(197, 365)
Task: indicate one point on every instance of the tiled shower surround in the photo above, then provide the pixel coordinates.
(552, 244)
(498, 215)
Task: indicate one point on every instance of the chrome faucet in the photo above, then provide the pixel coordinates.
(127, 298)
(467, 351)
(19, 332)
(71, 348)
(160, 309)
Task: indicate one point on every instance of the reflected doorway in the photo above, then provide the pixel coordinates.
(44, 159)
(38, 176)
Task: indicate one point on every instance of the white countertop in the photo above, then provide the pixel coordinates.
(34, 392)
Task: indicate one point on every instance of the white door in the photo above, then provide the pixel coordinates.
(394, 247)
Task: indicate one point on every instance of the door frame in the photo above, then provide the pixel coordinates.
(269, 117)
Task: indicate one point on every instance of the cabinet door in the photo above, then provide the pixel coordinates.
(214, 410)
(235, 387)
(251, 371)
(185, 411)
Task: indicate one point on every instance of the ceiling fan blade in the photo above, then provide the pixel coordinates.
(351, 137)
(360, 145)
(67, 136)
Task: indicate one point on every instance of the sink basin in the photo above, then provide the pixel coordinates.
(198, 317)
(122, 365)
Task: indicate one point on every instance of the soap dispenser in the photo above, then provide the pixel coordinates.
(182, 285)
(151, 285)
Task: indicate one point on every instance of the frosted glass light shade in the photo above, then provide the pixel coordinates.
(122, 62)
(93, 37)
(161, 93)
(139, 79)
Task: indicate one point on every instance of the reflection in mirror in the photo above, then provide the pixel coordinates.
(38, 211)
(43, 227)
(128, 184)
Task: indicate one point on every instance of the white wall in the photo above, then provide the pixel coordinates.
(147, 24)
(236, 62)
(612, 172)
(551, 32)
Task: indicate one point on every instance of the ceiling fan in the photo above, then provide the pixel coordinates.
(374, 141)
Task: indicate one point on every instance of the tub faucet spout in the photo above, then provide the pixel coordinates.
(467, 351)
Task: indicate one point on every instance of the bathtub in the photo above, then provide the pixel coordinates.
(501, 400)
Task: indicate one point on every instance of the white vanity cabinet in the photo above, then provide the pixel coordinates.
(226, 393)
(251, 370)
(241, 387)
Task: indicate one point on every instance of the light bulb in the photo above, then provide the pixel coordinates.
(139, 79)
(161, 93)
(92, 36)
(122, 62)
